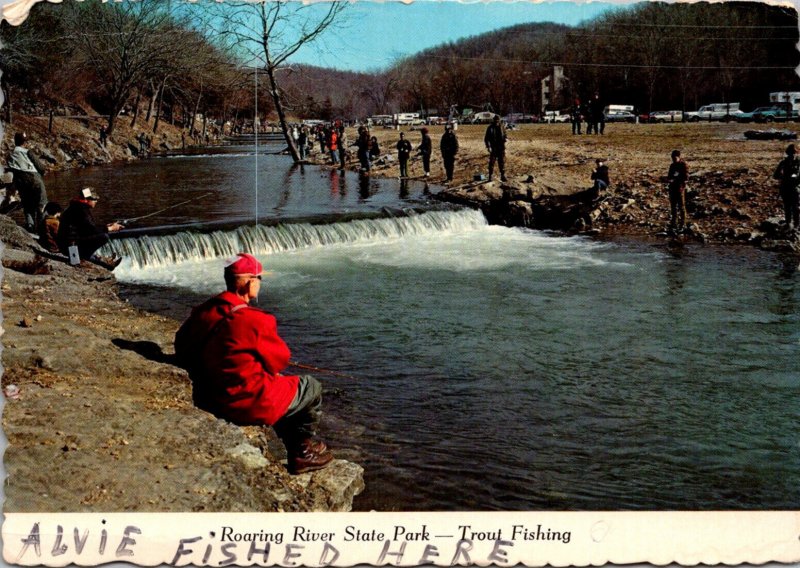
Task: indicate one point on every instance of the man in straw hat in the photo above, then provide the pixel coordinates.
(235, 356)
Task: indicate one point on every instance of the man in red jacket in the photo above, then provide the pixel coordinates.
(234, 356)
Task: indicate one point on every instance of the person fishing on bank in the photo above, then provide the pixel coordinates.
(788, 173)
(235, 358)
(448, 145)
(495, 141)
(600, 176)
(28, 181)
(676, 186)
(403, 154)
(425, 149)
(77, 227)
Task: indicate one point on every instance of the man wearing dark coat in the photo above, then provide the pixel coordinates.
(78, 228)
(449, 148)
(495, 140)
(788, 173)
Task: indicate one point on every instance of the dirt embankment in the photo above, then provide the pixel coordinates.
(75, 142)
(104, 421)
(731, 195)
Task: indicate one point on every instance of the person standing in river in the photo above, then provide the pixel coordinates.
(676, 186)
(235, 358)
(28, 181)
(362, 149)
(342, 147)
(788, 173)
(449, 148)
(495, 140)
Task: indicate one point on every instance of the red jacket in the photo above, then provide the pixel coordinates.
(234, 355)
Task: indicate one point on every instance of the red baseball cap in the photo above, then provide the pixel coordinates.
(243, 264)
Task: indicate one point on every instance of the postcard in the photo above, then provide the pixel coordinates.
(426, 283)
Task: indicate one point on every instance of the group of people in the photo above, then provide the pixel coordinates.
(75, 233)
(57, 230)
(495, 140)
(591, 113)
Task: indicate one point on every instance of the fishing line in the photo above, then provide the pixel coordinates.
(255, 129)
(320, 370)
(126, 221)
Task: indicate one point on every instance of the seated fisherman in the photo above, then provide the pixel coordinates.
(234, 356)
(77, 227)
(600, 176)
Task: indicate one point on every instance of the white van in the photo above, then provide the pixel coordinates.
(716, 111)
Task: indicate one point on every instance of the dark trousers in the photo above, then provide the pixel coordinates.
(500, 157)
(449, 165)
(302, 417)
(87, 246)
(426, 163)
(404, 167)
(576, 126)
(32, 193)
(677, 205)
(791, 206)
(363, 158)
(342, 157)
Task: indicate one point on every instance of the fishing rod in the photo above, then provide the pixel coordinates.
(320, 370)
(126, 221)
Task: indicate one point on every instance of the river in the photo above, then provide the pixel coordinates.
(496, 368)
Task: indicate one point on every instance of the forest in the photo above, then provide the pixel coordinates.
(180, 61)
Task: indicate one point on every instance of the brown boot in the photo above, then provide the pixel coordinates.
(309, 457)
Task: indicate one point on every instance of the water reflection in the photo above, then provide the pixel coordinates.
(785, 287)
(403, 189)
(285, 190)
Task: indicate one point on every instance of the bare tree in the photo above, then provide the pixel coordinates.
(269, 34)
(124, 44)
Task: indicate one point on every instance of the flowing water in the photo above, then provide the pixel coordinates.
(508, 369)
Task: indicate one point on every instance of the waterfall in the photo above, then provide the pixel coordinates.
(187, 246)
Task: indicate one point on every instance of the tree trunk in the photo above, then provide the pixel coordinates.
(7, 91)
(136, 106)
(50, 122)
(152, 101)
(194, 114)
(276, 99)
(112, 118)
(159, 104)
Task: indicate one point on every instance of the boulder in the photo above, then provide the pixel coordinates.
(334, 487)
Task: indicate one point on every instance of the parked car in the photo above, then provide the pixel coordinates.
(774, 114)
(666, 116)
(484, 117)
(750, 116)
(620, 116)
(716, 111)
(552, 116)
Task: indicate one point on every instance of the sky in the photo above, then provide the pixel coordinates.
(374, 34)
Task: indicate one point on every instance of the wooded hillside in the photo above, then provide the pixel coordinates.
(152, 57)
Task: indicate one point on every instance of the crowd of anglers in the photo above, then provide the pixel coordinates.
(74, 229)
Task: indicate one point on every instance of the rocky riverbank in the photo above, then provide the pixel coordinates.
(104, 421)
